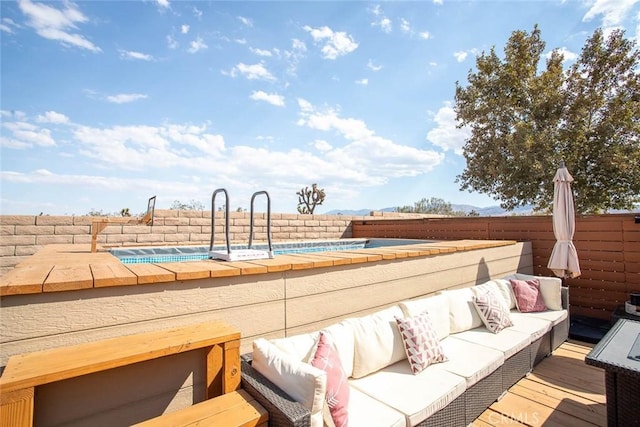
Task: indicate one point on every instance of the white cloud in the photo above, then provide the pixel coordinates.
(26, 135)
(380, 157)
(425, 35)
(7, 25)
(197, 12)
(405, 26)
(252, 72)
(385, 25)
(130, 54)
(322, 145)
(293, 56)
(271, 98)
(438, 2)
(362, 82)
(184, 28)
(171, 42)
(123, 98)
(197, 45)
(56, 24)
(446, 135)
(373, 67)
(163, 4)
(260, 52)
(246, 21)
(613, 11)
(335, 43)
(568, 55)
(460, 55)
(52, 117)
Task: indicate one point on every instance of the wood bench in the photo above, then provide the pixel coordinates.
(23, 373)
(237, 408)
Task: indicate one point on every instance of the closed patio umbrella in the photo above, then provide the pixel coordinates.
(564, 257)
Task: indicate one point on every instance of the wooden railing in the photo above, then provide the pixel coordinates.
(608, 248)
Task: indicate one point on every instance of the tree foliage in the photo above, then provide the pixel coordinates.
(524, 120)
(310, 198)
(433, 205)
(193, 205)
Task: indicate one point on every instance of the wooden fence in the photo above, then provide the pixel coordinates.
(608, 249)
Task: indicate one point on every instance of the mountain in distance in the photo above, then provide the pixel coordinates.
(487, 211)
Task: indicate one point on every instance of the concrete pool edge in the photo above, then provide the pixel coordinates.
(65, 267)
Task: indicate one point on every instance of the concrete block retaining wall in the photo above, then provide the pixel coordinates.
(23, 235)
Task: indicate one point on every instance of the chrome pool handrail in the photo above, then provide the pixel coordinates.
(268, 219)
(226, 218)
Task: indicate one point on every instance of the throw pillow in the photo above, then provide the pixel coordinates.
(303, 382)
(528, 296)
(326, 358)
(420, 341)
(493, 311)
(550, 288)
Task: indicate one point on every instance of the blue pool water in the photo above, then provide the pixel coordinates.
(160, 254)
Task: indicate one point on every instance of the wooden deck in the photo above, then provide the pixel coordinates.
(561, 391)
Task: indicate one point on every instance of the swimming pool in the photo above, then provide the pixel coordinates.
(160, 254)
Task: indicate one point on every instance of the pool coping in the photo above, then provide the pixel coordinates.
(66, 267)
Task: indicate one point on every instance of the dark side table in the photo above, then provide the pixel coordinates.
(618, 353)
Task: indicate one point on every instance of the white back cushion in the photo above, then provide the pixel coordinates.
(550, 288)
(303, 382)
(492, 286)
(507, 292)
(462, 313)
(301, 347)
(438, 308)
(377, 341)
(343, 340)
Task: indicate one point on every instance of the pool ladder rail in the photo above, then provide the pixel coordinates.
(239, 254)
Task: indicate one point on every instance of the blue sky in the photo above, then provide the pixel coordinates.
(106, 103)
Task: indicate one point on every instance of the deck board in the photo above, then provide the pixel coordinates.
(561, 391)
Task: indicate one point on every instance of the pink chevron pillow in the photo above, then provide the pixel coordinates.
(492, 311)
(421, 343)
(337, 397)
(528, 296)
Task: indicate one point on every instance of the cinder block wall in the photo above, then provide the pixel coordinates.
(23, 235)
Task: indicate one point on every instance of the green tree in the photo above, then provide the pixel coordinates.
(193, 205)
(433, 205)
(310, 198)
(525, 118)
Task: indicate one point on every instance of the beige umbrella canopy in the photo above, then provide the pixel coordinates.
(564, 257)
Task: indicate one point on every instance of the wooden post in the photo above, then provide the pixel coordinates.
(16, 408)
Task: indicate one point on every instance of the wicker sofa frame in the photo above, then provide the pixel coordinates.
(462, 411)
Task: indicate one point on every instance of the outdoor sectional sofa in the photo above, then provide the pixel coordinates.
(383, 389)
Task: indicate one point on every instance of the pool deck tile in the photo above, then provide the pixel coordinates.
(57, 268)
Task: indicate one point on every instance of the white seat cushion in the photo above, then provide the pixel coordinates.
(508, 341)
(367, 411)
(553, 316)
(416, 396)
(524, 322)
(438, 308)
(469, 360)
